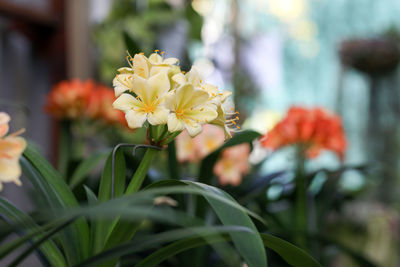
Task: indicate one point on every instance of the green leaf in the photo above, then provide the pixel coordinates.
(58, 188)
(38, 242)
(44, 190)
(85, 167)
(103, 227)
(249, 246)
(207, 164)
(119, 177)
(18, 217)
(290, 253)
(147, 242)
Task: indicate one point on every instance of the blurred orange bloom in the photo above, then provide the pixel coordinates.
(11, 148)
(194, 149)
(233, 164)
(100, 106)
(315, 128)
(69, 99)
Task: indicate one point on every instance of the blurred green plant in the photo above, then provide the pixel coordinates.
(139, 24)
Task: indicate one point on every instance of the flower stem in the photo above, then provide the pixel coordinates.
(141, 171)
(301, 201)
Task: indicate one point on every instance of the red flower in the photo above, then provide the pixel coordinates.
(316, 129)
(69, 99)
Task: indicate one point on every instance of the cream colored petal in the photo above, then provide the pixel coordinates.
(127, 102)
(140, 88)
(155, 58)
(135, 119)
(170, 100)
(193, 77)
(224, 95)
(159, 116)
(204, 113)
(171, 61)
(10, 171)
(154, 70)
(125, 70)
(193, 128)
(12, 146)
(141, 66)
(179, 78)
(122, 82)
(174, 125)
(187, 96)
(158, 85)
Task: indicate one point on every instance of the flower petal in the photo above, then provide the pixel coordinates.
(126, 102)
(203, 113)
(193, 128)
(141, 66)
(10, 171)
(4, 119)
(171, 61)
(122, 82)
(140, 88)
(158, 85)
(179, 78)
(135, 119)
(187, 96)
(174, 125)
(159, 116)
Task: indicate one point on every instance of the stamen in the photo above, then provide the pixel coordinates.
(201, 109)
(156, 50)
(183, 72)
(141, 53)
(162, 52)
(238, 127)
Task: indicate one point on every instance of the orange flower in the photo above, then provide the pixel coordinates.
(316, 129)
(233, 164)
(11, 148)
(100, 106)
(69, 99)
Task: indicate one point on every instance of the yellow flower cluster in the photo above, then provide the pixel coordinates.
(154, 90)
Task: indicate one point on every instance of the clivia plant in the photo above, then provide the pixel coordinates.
(114, 223)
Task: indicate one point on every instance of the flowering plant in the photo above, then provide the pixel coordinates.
(100, 229)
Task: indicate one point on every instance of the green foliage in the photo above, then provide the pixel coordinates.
(64, 230)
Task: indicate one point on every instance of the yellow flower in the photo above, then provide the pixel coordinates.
(11, 148)
(193, 77)
(143, 67)
(123, 81)
(189, 109)
(223, 120)
(148, 105)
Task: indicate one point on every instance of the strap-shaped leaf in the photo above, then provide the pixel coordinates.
(249, 246)
(147, 242)
(103, 227)
(291, 254)
(64, 194)
(17, 217)
(86, 166)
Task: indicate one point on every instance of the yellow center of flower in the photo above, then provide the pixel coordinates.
(180, 113)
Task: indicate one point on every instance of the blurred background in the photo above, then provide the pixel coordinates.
(342, 55)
